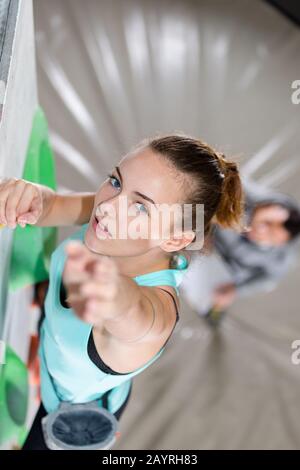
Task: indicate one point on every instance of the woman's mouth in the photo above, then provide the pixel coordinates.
(100, 229)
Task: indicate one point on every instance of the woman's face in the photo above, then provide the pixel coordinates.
(127, 205)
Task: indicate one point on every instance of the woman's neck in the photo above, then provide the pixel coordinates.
(133, 266)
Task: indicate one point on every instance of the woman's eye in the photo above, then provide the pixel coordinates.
(142, 207)
(114, 181)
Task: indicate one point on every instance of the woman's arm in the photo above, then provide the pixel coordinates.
(130, 322)
(128, 342)
(66, 209)
(23, 202)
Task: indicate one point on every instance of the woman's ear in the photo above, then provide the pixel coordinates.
(178, 242)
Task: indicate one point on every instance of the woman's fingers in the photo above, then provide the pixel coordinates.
(100, 290)
(78, 257)
(3, 197)
(27, 218)
(2, 212)
(75, 248)
(30, 206)
(77, 303)
(92, 311)
(75, 272)
(19, 198)
(95, 265)
(91, 281)
(13, 196)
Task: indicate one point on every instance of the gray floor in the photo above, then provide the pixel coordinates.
(111, 73)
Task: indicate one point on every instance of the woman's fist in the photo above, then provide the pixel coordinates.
(92, 283)
(22, 202)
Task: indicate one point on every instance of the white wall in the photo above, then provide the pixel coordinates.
(20, 101)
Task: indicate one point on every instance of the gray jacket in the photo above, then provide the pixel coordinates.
(255, 268)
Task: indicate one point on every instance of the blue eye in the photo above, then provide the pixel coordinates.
(115, 183)
(114, 180)
(144, 207)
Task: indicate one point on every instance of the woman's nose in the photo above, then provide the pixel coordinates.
(98, 212)
(107, 208)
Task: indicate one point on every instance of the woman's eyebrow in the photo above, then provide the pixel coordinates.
(136, 192)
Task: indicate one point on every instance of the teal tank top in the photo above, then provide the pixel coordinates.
(67, 372)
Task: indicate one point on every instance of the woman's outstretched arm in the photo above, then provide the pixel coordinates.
(67, 209)
(23, 202)
(130, 322)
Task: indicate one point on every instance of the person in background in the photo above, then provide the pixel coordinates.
(245, 263)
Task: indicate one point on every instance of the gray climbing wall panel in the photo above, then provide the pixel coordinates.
(18, 93)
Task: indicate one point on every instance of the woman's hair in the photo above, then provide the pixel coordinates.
(212, 180)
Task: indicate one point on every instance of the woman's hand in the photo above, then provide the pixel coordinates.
(23, 202)
(92, 282)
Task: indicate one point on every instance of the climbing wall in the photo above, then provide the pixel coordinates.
(17, 108)
(24, 253)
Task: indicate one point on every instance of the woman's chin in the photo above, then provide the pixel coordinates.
(94, 243)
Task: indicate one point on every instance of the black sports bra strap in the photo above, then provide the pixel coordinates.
(177, 314)
(104, 399)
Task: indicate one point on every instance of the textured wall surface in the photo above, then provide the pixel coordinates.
(19, 104)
